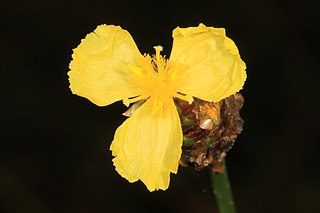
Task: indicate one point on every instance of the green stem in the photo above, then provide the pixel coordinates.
(222, 190)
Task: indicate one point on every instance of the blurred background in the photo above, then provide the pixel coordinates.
(54, 149)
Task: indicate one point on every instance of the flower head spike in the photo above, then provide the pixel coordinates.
(107, 67)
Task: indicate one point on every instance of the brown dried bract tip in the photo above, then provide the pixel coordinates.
(209, 130)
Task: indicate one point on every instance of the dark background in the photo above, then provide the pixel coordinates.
(54, 145)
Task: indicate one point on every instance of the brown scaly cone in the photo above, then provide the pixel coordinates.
(209, 130)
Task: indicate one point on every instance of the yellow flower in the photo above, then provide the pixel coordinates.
(107, 67)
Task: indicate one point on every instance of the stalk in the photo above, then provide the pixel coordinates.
(222, 190)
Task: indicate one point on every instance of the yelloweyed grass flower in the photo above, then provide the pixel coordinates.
(107, 67)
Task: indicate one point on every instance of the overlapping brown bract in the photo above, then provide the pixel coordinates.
(212, 131)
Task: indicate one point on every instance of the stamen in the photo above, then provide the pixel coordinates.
(158, 50)
(128, 101)
(146, 64)
(184, 97)
(159, 61)
(135, 69)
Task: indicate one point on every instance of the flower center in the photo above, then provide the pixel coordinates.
(159, 84)
(155, 80)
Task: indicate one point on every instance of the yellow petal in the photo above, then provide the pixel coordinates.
(99, 69)
(147, 146)
(206, 63)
